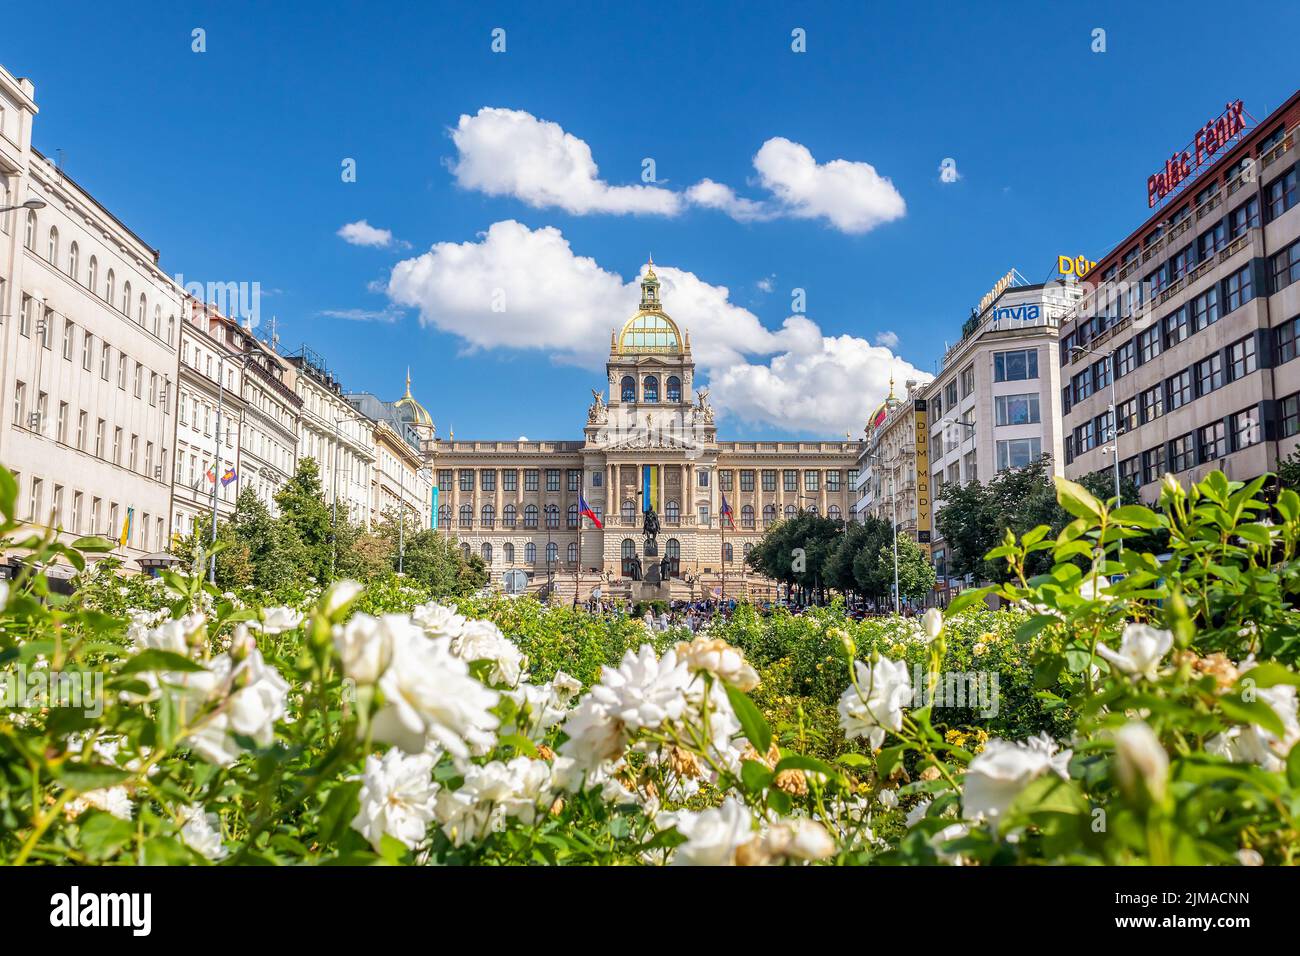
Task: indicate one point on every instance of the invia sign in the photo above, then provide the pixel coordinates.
(1023, 313)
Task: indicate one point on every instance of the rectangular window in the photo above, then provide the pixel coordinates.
(1083, 385)
(61, 426)
(851, 478)
(704, 516)
(812, 481)
(1017, 409)
(1289, 415)
(1205, 309)
(1284, 341)
(702, 481)
(747, 479)
(510, 479)
(1153, 464)
(1149, 343)
(1214, 443)
(121, 370)
(967, 380)
(1176, 327)
(790, 480)
(1245, 429)
(1128, 415)
(69, 331)
(597, 479)
(81, 430)
(1017, 366)
(769, 479)
(724, 480)
(530, 479)
(1182, 453)
(1018, 452)
(1211, 241)
(1178, 389)
(488, 479)
(1280, 194)
(1209, 374)
(1152, 402)
(1285, 267)
(1241, 357)
(832, 481)
(552, 479)
(445, 477)
(1238, 289)
(467, 479)
(1130, 469)
(574, 478)
(1125, 358)
(951, 393)
(1101, 374)
(1245, 216)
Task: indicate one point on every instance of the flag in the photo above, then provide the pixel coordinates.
(433, 508)
(585, 509)
(212, 472)
(726, 513)
(879, 417)
(229, 476)
(126, 528)
(649, 486)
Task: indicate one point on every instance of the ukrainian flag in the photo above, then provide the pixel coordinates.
(127, 525)
(649, 486)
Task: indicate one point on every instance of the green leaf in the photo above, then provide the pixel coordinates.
(159, 660)
(103, 834)
(1293, 767)
(751, 721)
(888, 759)
(1252, 712)
(968, 598)
(1076, 499)
(8, 493)
(755, 776)
(811, 764)
(86, 776)
(1269, 674)
(1031, 626)
(1137, 516)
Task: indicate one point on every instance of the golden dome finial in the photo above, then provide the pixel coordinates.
(408, 382)
(650, 266)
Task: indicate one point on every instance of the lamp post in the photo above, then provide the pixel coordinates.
(216, 458)
(1109, 358)
(893, 503)
(334, 490)
(29, 204)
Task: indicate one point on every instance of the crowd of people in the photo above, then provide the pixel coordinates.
(695, 615)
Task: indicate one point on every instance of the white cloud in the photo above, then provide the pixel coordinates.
(766, 284)
(363, 315)
(505, 152)
(713, 195)
(888, 339)
(513, 153)
(361, 233)
(518, 288)
(853, 197)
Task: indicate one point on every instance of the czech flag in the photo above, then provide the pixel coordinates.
(726, 513)
(585, 510)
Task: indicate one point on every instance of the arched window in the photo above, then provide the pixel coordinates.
(572, 552)
(530, 516)
(650, 389)
(444, 512)
(52, 250)
(629, 554)
(508, 553)
(92, 274)
(727, 552)
(833, 512)
(812, 510)
(628, 388)
(508, 516)
(748, 548)
(530, 553)
(466, 516)
(628, 512)
(672, 512)
(486, 551)
(140, 310)
(171, 328)
(464, 549)
(747, 516)
(29, 237)
(74, 262)
(789, 512)
(552, 516)
(673, 552)
(573, 516)
(674, 388)
(157, 321)
(552, 553)
(769, 515)
(487, 516)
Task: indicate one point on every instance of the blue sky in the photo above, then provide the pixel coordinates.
(229, 162)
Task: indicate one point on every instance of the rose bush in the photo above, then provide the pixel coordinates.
(1146, 713)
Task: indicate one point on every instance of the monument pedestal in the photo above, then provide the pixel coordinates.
(646, 591)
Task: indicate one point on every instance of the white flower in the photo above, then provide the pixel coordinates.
(250, 697)
(174, 636)
(917, 813)
(483, 641)
(340, 595)
(277, 620)
(796, 838)
(1140, 650)
(546, 704)
(720, 659)
(595, 736)
(1094, 589)
(4, 594)
(954, 831)
(1003, 769)
(201, 832)
(1140, 761)
(1256, 744)
(885, 690)
(713, 836)
(397, 795)
(365, 644)
(520, 788)
(932, 622)
(1249, 857)
(644, 690)
(429, 693)
(888, 799)
(438, 620)
(112, 800)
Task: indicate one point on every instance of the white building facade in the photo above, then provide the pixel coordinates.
(88, 328)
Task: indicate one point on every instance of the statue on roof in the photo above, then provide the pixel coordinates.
(598, 413)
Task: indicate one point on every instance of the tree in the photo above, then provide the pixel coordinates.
(302, 509)
(916, 575)
(274, 550)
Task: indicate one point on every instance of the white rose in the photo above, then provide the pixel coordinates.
(876, 704)
(1140, 760)
(201, 832)
(1140, 651)
(277, 620)
(1003, 769)
(713, 836)
(340, 595)
(365, 645)
(397, 796)
(717, 657)
(932, 622)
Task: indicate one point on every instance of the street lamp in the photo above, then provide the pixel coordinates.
(893, 502)
(30, 204)
(334, 489)
(216, 462)
(1114, 417)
